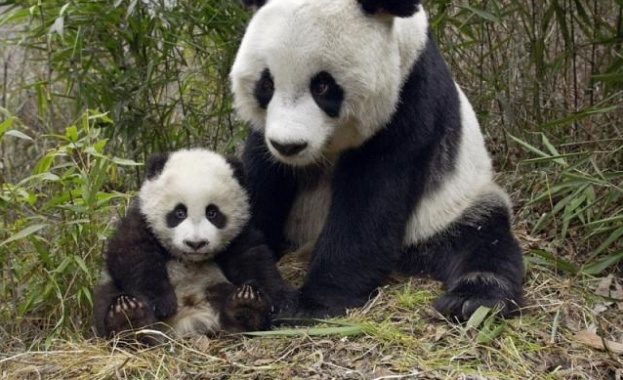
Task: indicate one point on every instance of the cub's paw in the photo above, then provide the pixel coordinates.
(473, 290)
(127, 313)
(247, 309)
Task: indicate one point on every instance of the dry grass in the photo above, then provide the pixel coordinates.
(560, 335)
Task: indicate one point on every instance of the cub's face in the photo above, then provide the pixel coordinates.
(321, 76)
(195, 206)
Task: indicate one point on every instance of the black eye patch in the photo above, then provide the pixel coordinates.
(264, 89)
(327, 93)
(215, 216)
(176, 216)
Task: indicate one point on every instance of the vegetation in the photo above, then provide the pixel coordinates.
(89, 88)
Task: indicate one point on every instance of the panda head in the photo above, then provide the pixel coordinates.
(194, 202)
(318, 77)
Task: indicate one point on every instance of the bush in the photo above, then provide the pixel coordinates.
(159, 68)
(55, 220)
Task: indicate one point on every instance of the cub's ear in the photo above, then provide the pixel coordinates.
(155, 164)
(239, 173)
(399, 8)
(254, 4)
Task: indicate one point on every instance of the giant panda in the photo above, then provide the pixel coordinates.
(184, 257)
(362, 143)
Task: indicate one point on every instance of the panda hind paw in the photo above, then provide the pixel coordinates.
(127, 313)
(247, 309)
(476, 290)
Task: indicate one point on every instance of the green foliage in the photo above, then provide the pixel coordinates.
(159, 68)
(55, 221)
(584, 195)
(546, 79)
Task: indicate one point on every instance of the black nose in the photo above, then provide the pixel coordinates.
(288, 149)
(196, 245)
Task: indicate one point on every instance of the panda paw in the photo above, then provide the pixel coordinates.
(306, 311)
(478, 289)
(127, 313)
(247, 309)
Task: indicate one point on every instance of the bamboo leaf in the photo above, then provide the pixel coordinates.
(344, 330)
(24, 233)
(603, 264)
(477, 317)
(18, 134)
(483, 14)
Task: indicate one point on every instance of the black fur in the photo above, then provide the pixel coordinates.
(254, 3)
(272, 187)
(239, 171)
(216, 217)
(374, 189)
(264, 89)
(136, 262)
(327, 93)
(155, 164)
(400, 8)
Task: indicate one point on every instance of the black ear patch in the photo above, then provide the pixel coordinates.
(155, 164)
(239, 172)
(399, 8)
(257, 4)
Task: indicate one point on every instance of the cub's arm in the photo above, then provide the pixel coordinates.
(137, 264)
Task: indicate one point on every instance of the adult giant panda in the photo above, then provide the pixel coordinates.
(185, 254)
(363, 143)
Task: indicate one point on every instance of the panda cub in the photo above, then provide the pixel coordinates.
(185, 255)
(364, 147)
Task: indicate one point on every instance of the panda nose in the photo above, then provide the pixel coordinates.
(196, 245)
(288, 149)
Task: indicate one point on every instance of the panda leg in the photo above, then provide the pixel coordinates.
(479, 263)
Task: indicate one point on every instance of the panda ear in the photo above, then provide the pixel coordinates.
(254, 4)
(239, 172)
(399, 8)
(155, 164)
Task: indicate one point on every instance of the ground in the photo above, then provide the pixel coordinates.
(570, 329)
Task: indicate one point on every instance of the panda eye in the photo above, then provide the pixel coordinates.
(267, 84)
(211, 212)
(320, 88)
(327, 93)
(180, 212)
(264, 89)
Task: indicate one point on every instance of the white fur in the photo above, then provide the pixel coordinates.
(309, 212)
(190, 281)
(469, 182)
(195, 178)
(297, 39)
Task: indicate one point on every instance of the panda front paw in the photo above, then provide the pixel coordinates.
(247, 309)
(478, 289)
(127, 313)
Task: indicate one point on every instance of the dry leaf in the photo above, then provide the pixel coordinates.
(593, 340)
